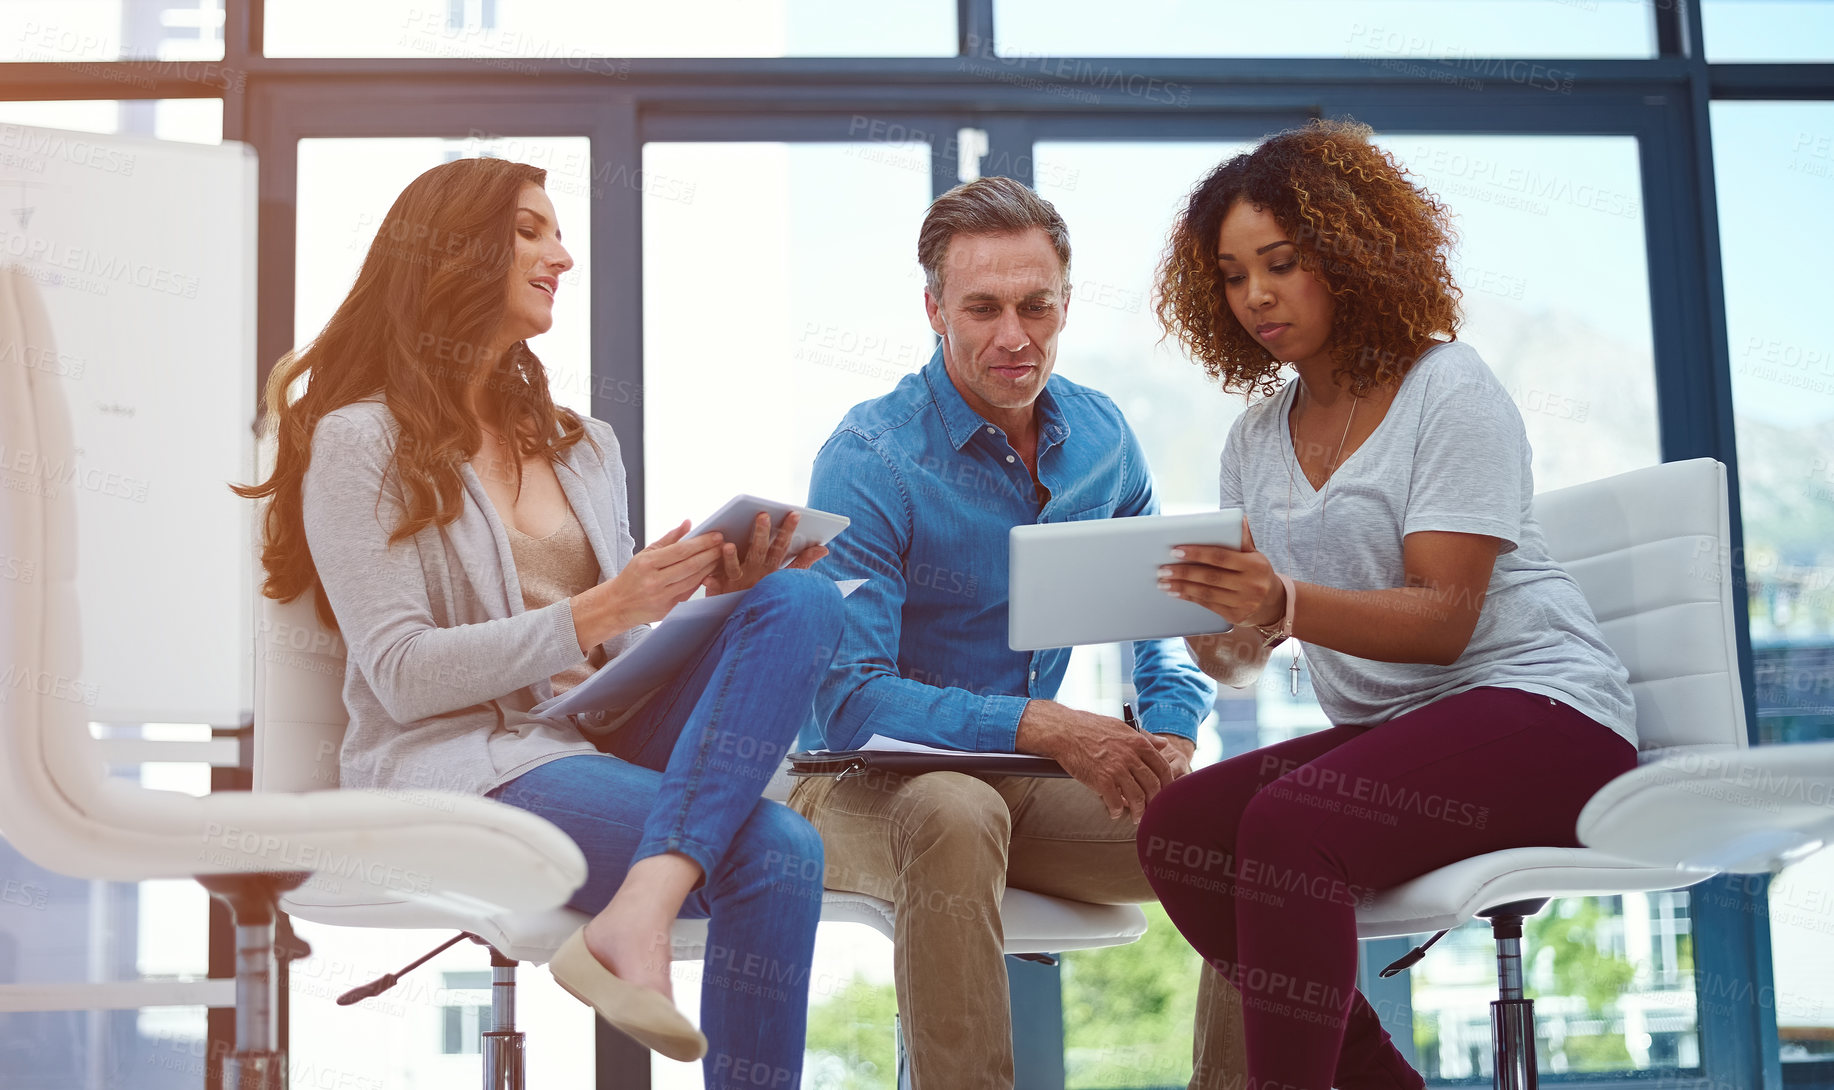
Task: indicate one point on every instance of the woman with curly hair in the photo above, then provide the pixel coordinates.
(1386, 491)
(471, 541)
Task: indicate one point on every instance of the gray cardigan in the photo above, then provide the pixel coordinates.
(444, 661)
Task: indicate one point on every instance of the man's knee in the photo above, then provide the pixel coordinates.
(958, 811)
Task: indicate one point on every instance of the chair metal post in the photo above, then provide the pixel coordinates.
(257, 1063)
(901, 1056)
(1512, 1016)
(503, 1045)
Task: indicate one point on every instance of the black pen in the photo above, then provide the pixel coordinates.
(1127, 716)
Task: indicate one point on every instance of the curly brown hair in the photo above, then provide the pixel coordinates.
(1376, 240)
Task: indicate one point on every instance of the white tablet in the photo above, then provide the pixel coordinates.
(1097, 580)
(733, 520)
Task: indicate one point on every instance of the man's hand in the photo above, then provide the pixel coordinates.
(1176, 751)
(1124, 766)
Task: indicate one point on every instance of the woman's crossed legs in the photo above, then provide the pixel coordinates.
(681, 790)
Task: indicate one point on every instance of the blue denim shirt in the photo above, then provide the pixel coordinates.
(933, 489)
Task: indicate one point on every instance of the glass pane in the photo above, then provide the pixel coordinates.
(1455, 41)
(1556, 299)
(1768, 30)
(159, 1048)
(1556, 288)
(346, 186)
(780, 289)
(60, 930)
(1118, 200)
(1802, 952)
(399, 1038)
(192, 120)
(1612, 979)
(108, 30)
(1772, 161)
(592, 37)
(852, 1009)
(1571, 339)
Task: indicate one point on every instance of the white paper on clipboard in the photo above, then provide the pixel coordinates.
(655, 658)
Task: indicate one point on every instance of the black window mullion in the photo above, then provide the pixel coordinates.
(617, 290)
(974, 28)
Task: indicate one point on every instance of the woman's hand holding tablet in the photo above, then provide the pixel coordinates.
(1097, 580)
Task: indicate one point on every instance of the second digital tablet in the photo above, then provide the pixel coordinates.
(1097, 580)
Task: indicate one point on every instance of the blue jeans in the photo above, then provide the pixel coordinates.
(685, 775)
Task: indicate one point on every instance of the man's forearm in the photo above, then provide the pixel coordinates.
(904, 708)
(1042, 728)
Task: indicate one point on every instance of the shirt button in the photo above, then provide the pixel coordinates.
(992, 431)
(1034, 675)
(1009, 457)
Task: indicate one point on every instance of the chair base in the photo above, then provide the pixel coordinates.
(503, 1060)
(255, 1071)
(1512, 1015)
(1512, 1029)
(252, 899)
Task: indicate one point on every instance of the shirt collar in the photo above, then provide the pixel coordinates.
(962, 422)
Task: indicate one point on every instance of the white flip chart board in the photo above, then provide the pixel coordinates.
(143, 252)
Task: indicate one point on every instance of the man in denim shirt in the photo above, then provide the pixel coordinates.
(933, 475)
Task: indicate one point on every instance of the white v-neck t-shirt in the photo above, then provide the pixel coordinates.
(1451, 455)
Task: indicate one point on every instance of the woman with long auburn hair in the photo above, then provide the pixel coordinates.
(471, 541)
(1474, 705)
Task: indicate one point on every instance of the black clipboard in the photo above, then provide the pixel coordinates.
(847, 763)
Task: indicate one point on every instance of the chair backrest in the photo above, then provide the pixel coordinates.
(1651, 550)
(52, 779)
(299, 697)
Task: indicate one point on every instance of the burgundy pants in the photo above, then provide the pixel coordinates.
(1262, 860)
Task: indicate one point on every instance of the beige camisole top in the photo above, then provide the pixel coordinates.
(555, 567)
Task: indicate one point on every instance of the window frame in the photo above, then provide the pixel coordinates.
(271, 103)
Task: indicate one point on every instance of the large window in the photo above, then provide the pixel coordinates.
(736, 163)
(1448, 41)
(1556, 299)
(180, 34)
(423, 1032)
(1773, 163)
(782, 289)
(600, 37)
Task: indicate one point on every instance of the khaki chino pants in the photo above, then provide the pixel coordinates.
(943, 847)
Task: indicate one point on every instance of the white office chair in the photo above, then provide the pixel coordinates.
(1651, 551)
(299, 727)
(60, 809)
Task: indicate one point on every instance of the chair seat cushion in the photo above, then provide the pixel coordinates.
(1035, 923)
(1748, 811)
(1447, 897)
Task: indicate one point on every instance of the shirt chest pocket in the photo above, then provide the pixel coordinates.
(1099, 511)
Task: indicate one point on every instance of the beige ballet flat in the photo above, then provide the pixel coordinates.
(645, 1016)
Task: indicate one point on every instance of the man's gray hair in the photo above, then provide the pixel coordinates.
(985, 206)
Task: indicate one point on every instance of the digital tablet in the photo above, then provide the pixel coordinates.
(733, 520)
(1097, 580)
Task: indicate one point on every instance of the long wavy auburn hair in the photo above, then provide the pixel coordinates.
(1378, 242)
(432, 292)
